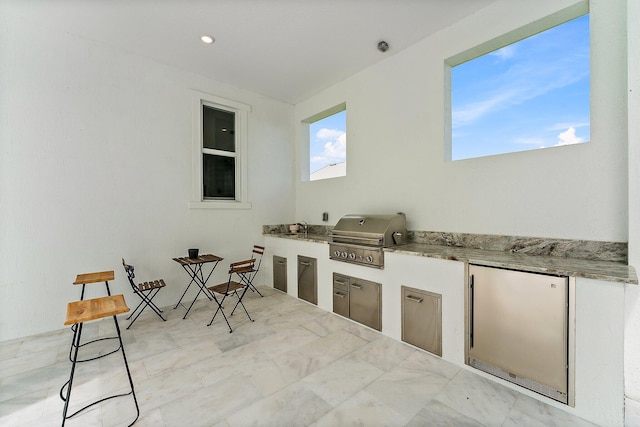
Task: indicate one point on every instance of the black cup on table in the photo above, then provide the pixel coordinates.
(193, 253)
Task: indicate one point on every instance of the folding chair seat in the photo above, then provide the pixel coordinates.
(232, 288)
(146, 291)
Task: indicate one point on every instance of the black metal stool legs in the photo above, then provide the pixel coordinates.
(76, 346)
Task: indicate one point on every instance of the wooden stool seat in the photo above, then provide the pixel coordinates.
(95, 308)
(97, 277)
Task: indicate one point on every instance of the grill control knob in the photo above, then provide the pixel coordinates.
(369, 258)
(352, 256)
(343, 254)
(336, 253)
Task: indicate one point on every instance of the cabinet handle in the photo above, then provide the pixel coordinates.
(412, 298)
(471, 310)
(355, 285)
(338, 294)
(342, 282)
(306, 264)
(281, 263)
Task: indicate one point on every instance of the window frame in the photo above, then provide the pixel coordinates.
(561, 17)
(241, 115)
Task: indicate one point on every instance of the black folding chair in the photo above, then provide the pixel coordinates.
(231, 287)
(247, 277)
(146, 291)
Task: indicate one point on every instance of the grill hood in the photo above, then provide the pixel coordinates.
(371, 230)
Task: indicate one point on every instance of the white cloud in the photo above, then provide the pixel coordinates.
(505, 53)
(568, 137)
(334, 149)
(562, 126)
(519, 83)
(475, 110)
(325, 133)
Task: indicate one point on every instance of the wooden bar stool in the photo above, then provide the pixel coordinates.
(82, 311)
(87, 279)
(97, 277)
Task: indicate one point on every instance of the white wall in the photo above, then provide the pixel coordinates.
(395, 143)
(632, 334)
(95, 165)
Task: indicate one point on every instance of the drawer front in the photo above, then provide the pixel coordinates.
(341, 282)
(340, 302)
(422, 319)
(341, 295)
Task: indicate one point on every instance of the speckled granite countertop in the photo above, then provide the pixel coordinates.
(599, 270)
(316, 238)
(590, 269)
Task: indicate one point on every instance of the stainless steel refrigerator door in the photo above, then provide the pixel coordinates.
(518, 323)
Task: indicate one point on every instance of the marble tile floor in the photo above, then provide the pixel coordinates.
(296, 365)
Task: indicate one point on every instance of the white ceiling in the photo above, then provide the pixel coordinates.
(285, 49)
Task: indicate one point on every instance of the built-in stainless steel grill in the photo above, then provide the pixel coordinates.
(360, 239)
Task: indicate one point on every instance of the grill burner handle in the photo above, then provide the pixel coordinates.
(393, 236)
(376, 240)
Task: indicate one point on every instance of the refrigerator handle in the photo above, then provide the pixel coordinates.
(471, 303)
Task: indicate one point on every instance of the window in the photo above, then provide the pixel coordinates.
(218, 154)
(328, 143)
(530, 94)
(220, 147)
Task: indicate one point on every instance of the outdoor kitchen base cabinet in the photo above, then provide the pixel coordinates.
(280, 273)
(359, 300)
(308, 279)
(422, 319)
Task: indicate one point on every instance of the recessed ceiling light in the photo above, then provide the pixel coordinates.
(207, 39)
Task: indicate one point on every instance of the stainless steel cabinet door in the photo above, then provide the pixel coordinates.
(518, 323)
(422, 319)
(365, 303)
(280, 273)
(341, 295)
(307, 279)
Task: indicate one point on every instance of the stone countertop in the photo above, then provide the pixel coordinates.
(599, 270)
(589, 269)
(315, 238)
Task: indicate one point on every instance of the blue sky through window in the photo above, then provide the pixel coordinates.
(528, 95)
(328, 141)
